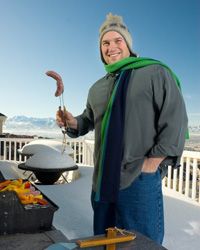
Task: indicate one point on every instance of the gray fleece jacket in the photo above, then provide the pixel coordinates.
(155, 119)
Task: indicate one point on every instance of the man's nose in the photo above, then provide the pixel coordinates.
(112, 45)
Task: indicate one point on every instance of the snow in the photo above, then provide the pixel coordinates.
(74, 216)
(47, 154)
(182, 219)
(43, 144)
(50, 159)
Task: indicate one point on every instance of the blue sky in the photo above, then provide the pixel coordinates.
(62, 35)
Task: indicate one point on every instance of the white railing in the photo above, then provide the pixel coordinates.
(9, 147)
(83, 149)
(184, 180)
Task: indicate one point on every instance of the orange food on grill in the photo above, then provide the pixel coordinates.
(25, 191)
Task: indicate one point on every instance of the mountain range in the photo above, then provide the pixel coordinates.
(32, 126)
(42, 126)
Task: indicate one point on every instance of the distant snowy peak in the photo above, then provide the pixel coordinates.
(30, 122)
(23, 125)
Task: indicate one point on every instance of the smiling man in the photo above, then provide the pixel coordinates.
(139, 117)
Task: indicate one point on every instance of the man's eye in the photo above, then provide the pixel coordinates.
(118, 40)
(105, 43)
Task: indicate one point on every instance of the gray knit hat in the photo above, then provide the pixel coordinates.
(115, 23)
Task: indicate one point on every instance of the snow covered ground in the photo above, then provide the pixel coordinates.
(74, 216)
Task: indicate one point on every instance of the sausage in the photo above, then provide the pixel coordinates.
(57, 77)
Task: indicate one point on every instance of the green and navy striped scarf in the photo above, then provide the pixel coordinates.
(112, 127)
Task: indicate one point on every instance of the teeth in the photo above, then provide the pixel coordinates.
(114, 55)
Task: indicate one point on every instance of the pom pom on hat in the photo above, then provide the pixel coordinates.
(115, 23)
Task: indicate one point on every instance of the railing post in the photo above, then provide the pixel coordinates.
(181, 176)
(4, 151)
(84, 152)
(175, 179)
(187, 177)
(15, 152)
(9, 150)
(194, 179)
(169, 176)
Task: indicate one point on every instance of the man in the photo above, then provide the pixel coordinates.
(139, 117)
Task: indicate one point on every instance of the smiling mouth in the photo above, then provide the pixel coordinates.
(114, 55)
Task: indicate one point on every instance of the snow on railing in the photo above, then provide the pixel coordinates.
(184, 180)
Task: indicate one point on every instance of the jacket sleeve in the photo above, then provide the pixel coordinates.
(171, 121)
(85, 123)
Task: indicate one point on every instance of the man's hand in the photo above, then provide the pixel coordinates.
(150, 165)
(65, 119)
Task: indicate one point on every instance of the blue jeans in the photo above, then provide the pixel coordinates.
(139, 207)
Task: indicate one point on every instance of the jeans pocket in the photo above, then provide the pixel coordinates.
(150, 181)
(150, 174)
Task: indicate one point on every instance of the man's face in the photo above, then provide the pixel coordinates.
(113, 47)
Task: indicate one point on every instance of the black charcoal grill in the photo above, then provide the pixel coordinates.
(47, 175)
